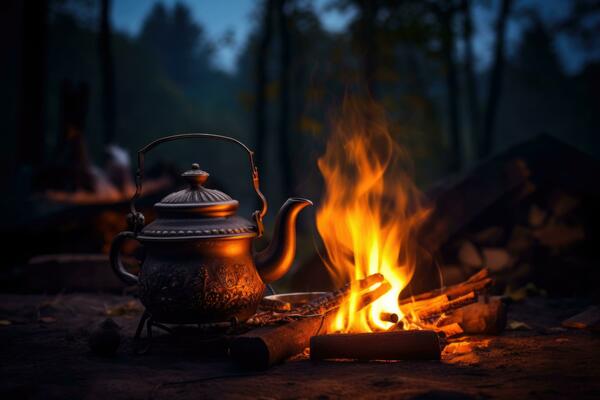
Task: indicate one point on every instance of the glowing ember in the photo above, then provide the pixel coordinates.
(369, 213)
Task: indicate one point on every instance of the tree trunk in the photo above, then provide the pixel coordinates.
(260, 122)
(495, 81)
(31, 138)
(471, 81)
(452, 95)
(285, 158)
(107, 69)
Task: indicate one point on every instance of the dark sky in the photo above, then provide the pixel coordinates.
(237, 17)
(217, 17)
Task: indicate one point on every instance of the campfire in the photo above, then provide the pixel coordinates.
(369, 215)
(368, 222)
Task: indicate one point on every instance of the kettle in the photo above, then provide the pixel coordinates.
(199, 265)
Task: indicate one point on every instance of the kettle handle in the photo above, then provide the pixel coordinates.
(138, 220)
(115, 258)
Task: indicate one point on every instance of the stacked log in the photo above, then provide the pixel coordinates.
(456, 309)
(526, 242)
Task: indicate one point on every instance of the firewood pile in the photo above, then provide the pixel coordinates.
(529, 216)
(547, 234)
(280, 331)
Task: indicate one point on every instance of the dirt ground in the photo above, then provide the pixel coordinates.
(45, 354)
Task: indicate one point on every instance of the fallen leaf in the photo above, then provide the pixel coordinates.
(513, 325)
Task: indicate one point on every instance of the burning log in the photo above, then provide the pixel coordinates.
(396, 345)
(373, 295)
(389, 317)
(267, 346)
(414, 308)
(438, 310)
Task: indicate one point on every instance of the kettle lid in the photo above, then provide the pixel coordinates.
(196, 199)
(197, 212)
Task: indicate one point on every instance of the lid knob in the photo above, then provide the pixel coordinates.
(195, 176)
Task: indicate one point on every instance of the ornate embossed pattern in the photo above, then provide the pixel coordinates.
(192, 227)
(198, 289)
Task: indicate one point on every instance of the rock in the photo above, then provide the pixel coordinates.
(105, 338)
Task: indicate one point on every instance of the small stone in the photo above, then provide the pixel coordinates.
(105, 338)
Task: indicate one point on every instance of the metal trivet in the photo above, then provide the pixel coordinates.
(216, 328)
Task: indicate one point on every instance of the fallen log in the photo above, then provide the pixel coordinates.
(395, 345)
(263, 347)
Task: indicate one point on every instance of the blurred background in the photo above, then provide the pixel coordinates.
(86, 83)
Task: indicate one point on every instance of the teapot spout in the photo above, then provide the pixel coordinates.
(273, 262)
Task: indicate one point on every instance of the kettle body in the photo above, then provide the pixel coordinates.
(207, 280)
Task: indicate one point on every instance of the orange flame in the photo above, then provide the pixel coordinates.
(369, 214)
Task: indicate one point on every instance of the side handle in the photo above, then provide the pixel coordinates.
(115, 258)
